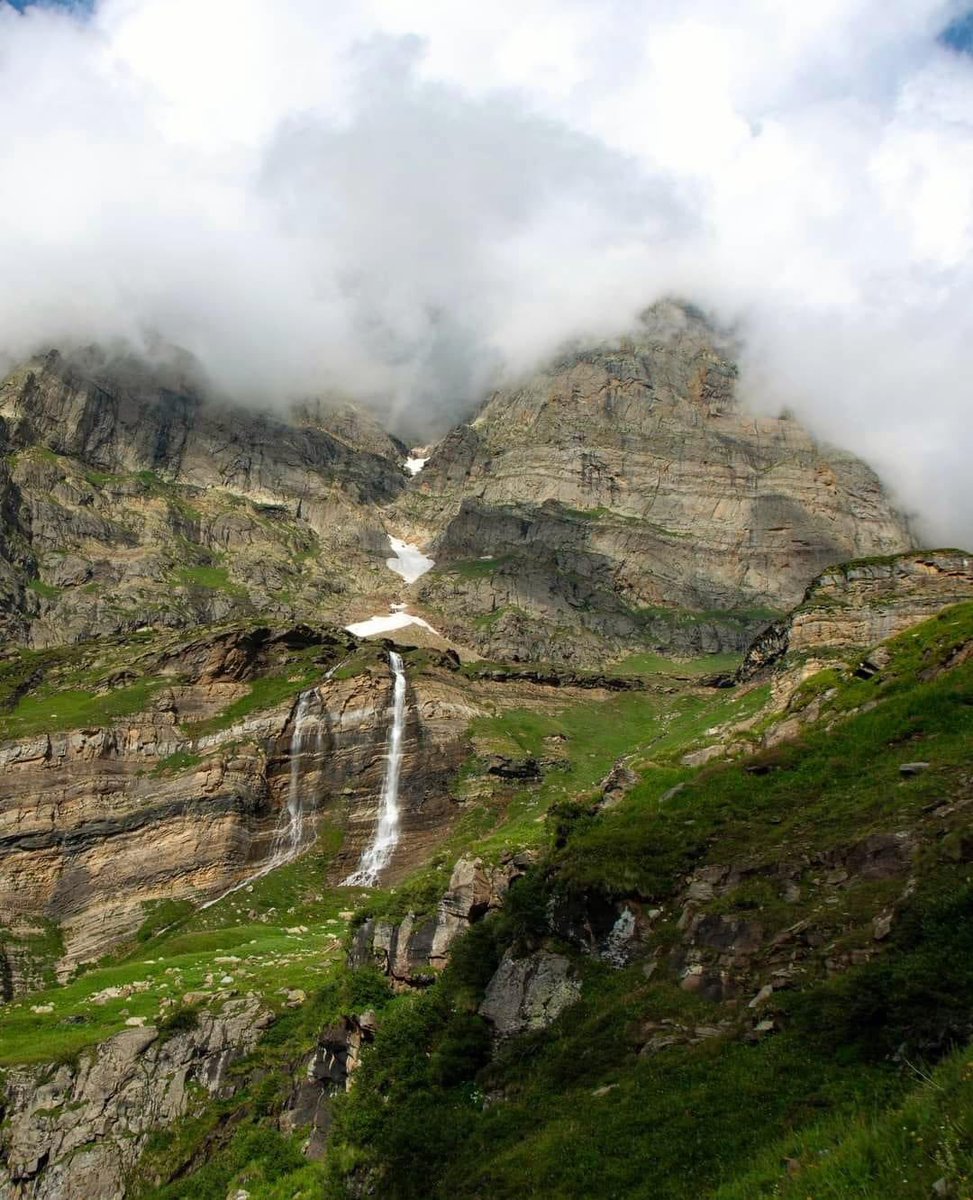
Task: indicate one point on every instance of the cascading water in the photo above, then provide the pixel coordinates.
(289, 834)
(377, 856)
(305, 739)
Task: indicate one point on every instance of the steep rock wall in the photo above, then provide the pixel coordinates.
(125, 501)
(74, 1132)
(95, 825)
(628, 479)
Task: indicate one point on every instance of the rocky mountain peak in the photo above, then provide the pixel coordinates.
(622, 494)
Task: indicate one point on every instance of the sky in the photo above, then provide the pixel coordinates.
(409, 202)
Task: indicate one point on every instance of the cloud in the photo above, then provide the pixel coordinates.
(406, 202)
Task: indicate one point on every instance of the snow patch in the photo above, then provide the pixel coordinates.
(388, 624)
(409, 561)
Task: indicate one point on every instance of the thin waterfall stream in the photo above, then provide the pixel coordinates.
(378, 855)
(290, 836)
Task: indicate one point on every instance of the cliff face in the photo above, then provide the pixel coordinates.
(75, 1131)
(127, 501)
(179, 800)
(624, 493)
(619, 501)
(859, 604)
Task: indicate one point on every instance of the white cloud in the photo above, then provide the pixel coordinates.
(402, 200)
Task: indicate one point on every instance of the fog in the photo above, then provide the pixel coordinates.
(407, 203)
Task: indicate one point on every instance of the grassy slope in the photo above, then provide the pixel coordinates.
(177, 947)
(285, 930)
(848, 1092)
(825, 1093)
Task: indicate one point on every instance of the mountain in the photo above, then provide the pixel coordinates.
(624, 496)
(130, 502)
(661, 818)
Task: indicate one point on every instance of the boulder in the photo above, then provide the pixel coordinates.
(529, 993)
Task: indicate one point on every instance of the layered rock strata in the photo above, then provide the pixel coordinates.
(126, 501)
(96, 824)
(624, 494)
(859, 604)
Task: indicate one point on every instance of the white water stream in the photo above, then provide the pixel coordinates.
(378, 854)
(290, 836)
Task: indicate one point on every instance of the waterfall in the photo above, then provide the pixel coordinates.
(305, 739)
(376, 857)
(289, 833)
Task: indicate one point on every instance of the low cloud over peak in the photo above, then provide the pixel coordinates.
(407, 202)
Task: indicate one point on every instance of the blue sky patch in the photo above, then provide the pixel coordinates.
(958, 35)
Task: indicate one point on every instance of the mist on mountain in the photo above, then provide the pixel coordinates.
(408, 207)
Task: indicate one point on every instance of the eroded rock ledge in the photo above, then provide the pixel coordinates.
(74, 1132)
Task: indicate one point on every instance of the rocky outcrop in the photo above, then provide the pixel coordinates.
(624, 495)
(529, 993)
(856, 605)
(327, 1072)
(120, 416)
(410, 951)
(74, 1132)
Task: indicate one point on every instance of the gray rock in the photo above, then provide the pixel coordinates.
(74, 1132)
(529, 993)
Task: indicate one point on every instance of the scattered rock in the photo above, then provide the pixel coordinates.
(193, 998)
(762, 996)
(698, 758)
(908, 770)
(617, 784)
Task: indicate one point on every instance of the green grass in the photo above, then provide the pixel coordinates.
(173, 764)
(431, 1117)
(264, 692)
(899, 1152)
(213, 579)
(72, 708)
(38, 948)
(833, 1091)
(47, 590)
(673, 1117)
(475, 568)
(101, 479)
(692, 668)
(285, 929)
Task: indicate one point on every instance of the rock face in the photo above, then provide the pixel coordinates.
(858, 604)
(126, 501)
(98, 823)
(411, 950)
(74, 1132)
(327, 1072)
(623, 495)
(529, 993)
